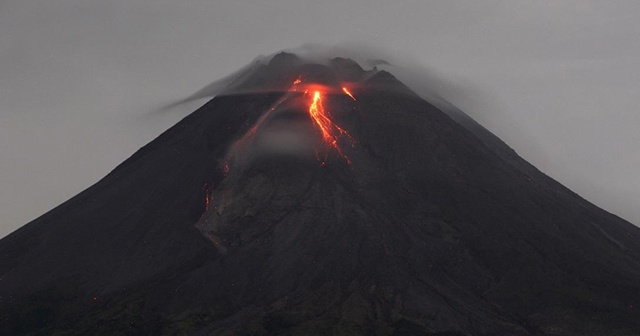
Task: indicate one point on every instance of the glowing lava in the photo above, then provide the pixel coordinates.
(207, 201)
(330, 132)
(208, 196)
(346, 91)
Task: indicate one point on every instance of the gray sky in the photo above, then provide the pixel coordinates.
(557, 80)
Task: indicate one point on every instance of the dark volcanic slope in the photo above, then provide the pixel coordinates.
(429, 231)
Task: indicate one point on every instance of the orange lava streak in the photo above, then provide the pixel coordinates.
(207, 201)
(208, 196)
(330, 132)
(346, 91)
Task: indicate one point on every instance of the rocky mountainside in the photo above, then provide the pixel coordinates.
(322, 199)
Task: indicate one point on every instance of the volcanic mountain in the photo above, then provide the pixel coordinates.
(322, 199)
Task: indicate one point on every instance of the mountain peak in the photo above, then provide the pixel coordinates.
(284, 59)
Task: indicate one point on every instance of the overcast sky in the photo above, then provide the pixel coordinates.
(559, 81)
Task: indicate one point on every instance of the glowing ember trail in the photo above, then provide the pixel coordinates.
(207, 201)
(208, 196)
(346, 91)
(330, 131)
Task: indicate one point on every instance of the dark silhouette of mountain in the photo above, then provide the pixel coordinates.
(278, 211)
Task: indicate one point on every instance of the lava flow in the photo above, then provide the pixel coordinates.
(348, 93)
(314, 95)
(330, 132)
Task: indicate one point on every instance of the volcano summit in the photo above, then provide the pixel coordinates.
(322, 199)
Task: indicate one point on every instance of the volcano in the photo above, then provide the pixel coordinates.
(322, 199)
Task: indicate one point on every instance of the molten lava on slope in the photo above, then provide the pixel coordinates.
(301, 98)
